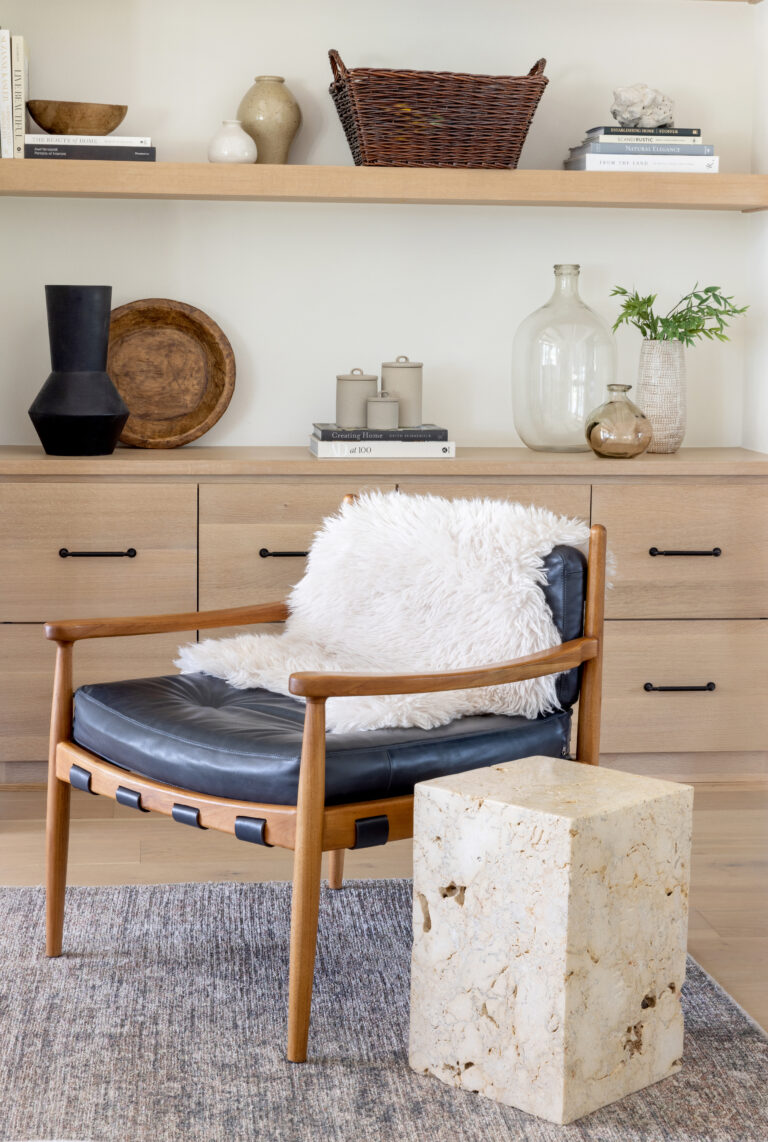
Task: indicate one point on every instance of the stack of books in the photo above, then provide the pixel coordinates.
(14, 82)
(118, 148)
(427, 442)
(16, 143)
(644, 149)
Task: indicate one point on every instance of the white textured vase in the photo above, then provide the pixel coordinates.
(231, 144)
(271, 116)
(660, 394)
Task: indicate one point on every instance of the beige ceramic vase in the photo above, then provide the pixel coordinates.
(271, 116)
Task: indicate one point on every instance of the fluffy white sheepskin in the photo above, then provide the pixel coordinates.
(410, 584)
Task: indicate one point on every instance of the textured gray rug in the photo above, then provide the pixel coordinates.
(166, 1019)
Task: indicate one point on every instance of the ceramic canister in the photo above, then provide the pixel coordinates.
(382, 412)
(402, 379)
(352, 392)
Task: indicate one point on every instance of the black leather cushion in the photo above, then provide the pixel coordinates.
(198, 733)
(565, 590)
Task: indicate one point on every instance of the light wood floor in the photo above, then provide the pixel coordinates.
(728, 931)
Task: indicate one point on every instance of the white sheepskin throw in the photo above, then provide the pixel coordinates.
(399, 584)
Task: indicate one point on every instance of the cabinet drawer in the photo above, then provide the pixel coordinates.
(686, 517)
(26, 678)
(237, 521)
(564, 499)
(732, 654)
(37, 520)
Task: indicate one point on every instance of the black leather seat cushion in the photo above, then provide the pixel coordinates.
(198, 733)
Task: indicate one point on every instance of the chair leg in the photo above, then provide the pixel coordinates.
(57, 816)
(336, 868)
(307, 868)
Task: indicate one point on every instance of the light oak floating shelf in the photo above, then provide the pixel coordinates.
(67, 178)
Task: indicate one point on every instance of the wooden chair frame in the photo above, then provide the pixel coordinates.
(310, 827)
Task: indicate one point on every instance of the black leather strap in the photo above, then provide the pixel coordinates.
(129, 797)
(80, 778)
(187, 815)
(371, 831)
(251, 829)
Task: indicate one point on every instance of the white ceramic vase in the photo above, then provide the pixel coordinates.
(271, 116)
(231, 144)
(661, 384)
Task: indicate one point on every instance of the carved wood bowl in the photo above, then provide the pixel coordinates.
(174, 368)
(57, 118)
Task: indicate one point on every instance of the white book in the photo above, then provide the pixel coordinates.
(382, 449)
(20, 88)
(88, 140)
(670, 164)
(6, 96)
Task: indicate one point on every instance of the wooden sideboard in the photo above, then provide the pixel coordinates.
(198, 519)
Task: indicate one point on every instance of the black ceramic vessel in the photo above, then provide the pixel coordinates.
(78, 411)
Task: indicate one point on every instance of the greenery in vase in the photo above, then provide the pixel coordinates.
(701, 313)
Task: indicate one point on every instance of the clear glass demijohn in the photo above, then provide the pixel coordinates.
(563, 357)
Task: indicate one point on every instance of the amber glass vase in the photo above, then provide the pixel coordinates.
(618, 428)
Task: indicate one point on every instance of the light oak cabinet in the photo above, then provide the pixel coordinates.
(218, 527)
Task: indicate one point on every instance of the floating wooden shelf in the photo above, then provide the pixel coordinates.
(67, 178)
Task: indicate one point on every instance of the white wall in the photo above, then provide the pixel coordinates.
(305, 291)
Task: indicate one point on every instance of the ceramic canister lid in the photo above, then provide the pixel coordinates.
(356, 375)
(384, 398)
(402, 363)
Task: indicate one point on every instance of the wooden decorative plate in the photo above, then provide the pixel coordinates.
(173, 367)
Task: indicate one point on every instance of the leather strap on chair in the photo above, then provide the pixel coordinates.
(251, 829)
(371, 831)
(80, 778)
(187, 815)
(129, 797)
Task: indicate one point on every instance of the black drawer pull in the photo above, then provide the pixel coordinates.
(65, 553)
(715, 551)
(265, 553)
(650, 686)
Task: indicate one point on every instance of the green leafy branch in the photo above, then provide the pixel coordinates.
(701, 313)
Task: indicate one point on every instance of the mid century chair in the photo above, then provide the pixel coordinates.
(207, 755)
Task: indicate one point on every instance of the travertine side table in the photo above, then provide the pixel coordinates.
(550, 921)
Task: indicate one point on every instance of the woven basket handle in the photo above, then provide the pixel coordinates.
(538, 67)
(337, 66)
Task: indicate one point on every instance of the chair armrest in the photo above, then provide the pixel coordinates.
(309, 684)
(72, 630)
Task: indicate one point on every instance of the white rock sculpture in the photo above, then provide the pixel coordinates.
(642, 106)
(550, 918)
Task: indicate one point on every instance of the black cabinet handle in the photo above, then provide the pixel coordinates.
(715, 551)
(65, 553)
(265, 553)
(650, 686)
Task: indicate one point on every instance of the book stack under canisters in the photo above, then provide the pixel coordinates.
(17, 143)
(425, 442)
(661, 149)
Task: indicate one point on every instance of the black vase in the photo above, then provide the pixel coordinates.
(78, 411)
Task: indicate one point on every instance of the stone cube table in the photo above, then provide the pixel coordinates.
(550, 908)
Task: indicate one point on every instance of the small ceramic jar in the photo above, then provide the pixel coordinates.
(352, 392)
(402, 379)
(382, 412)
(231, 144)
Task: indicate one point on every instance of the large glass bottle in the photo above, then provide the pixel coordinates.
(563, 357)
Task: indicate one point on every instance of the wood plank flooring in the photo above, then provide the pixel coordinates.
(728, 932)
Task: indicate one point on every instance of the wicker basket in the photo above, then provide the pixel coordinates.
(435, 118)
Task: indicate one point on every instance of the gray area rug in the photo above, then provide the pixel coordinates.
(165, 1020)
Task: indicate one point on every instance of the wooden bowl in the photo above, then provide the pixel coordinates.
(57, 118)
(174, 368)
